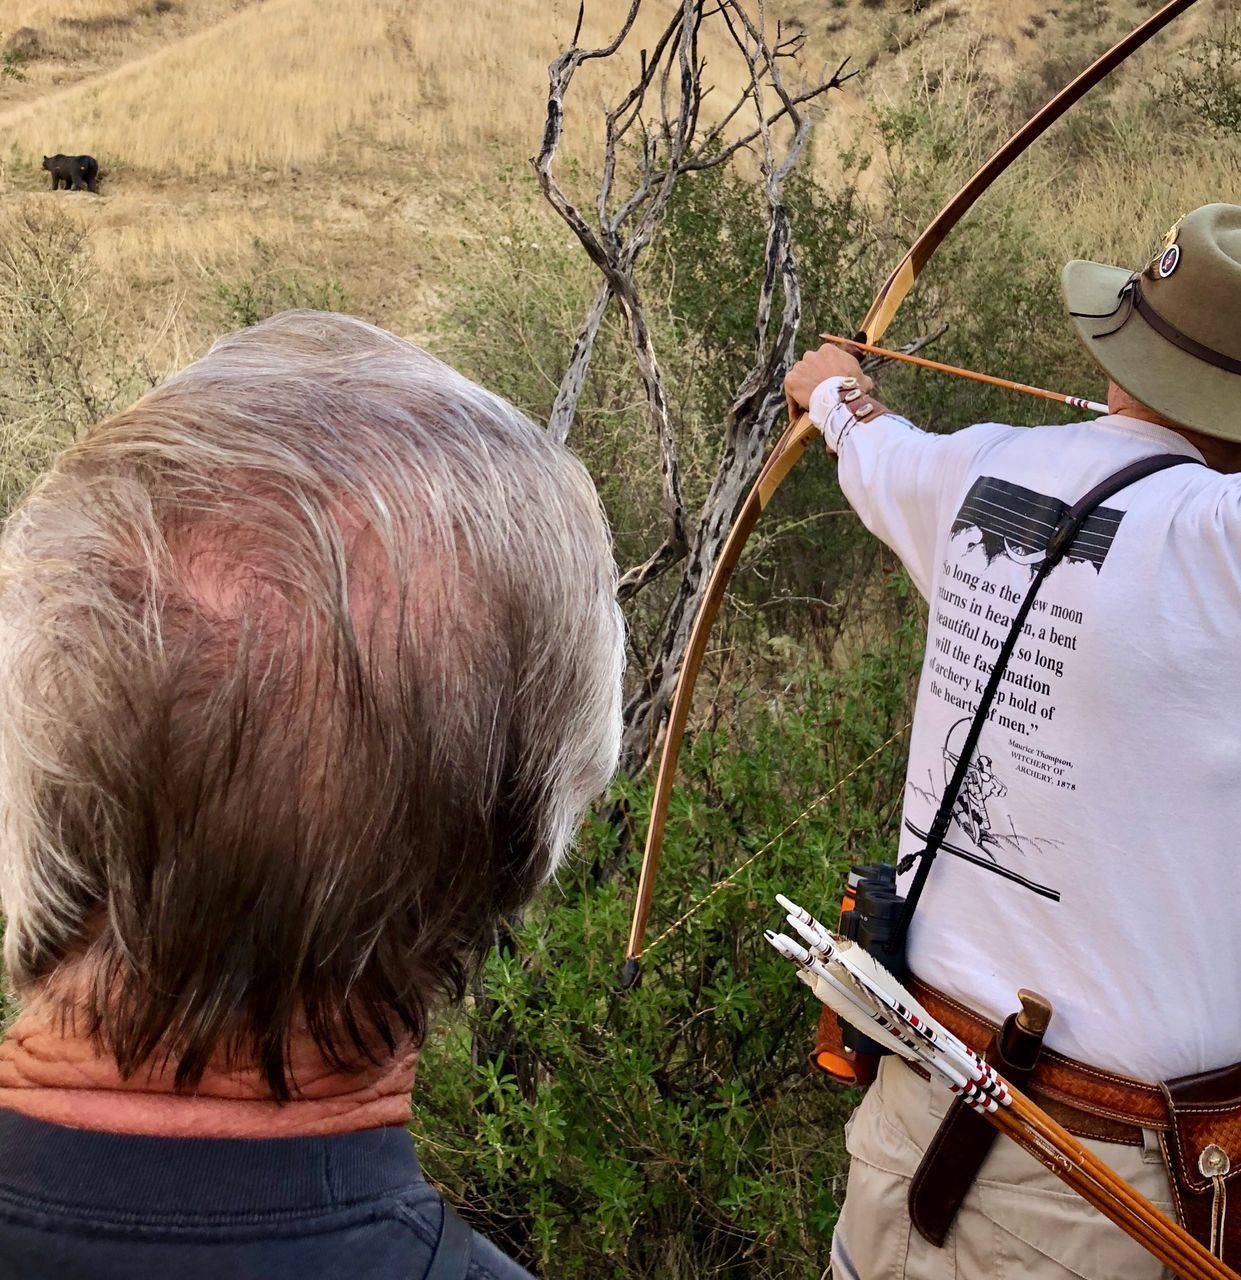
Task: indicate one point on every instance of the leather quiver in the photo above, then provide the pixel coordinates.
(947, 1171)
(962, 1142)
(1202, 1148)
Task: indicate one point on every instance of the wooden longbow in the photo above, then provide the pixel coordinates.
(800, 432)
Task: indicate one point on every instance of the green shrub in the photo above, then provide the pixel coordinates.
(62, 366)
(12, 65)
(674, 1130)
(273, 287)
(1205, 79)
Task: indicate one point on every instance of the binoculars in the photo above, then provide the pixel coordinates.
(871, 914)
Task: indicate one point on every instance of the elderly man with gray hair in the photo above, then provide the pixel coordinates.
(311, 664)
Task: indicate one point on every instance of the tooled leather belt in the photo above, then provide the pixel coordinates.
(1088, 1102)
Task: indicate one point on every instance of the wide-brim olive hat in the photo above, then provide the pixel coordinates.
(1170, 333)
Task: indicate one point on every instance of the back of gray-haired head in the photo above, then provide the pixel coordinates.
(311, 665)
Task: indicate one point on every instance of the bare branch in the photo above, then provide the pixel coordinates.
(655, 137)
(564, 409)
(872, 364)
(560, 75)
(706, 159)
(662, 559)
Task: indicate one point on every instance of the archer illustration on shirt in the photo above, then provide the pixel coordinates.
(991, 842)
(980, 784)
(971, 808)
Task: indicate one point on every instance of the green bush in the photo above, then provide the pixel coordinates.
(271, 287)
(675, 1129)
(62, 362)
(1205, 80)
(12, 65)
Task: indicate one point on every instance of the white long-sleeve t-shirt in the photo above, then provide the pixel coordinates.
(1095, 851)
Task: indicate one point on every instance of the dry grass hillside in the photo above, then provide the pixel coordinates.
(364, 142)
(359, 140)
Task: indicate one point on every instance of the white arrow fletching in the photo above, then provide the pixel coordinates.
(882, 985)
(882, 981)
(853, 1003)
(866, 995)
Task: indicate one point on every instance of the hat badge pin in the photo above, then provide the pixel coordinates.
(1169, 257)
(1169, 260)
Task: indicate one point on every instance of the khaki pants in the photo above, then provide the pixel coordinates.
(1018, 1222)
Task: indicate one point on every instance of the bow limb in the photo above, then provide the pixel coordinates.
(789, 448)
(899, 283)
(792, 444)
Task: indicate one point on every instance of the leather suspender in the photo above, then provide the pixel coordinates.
(1057, 547)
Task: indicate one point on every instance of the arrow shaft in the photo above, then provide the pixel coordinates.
(1059, 1152)
(990, 379)
(1006, 1107)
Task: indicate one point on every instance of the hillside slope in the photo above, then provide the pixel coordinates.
(361, 143)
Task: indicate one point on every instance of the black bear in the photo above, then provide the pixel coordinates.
(75, 172)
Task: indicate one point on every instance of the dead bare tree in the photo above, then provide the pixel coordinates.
(656, 136)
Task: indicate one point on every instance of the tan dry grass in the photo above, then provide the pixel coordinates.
(399, 113)
(68, 42)
(1105, 197)
(40, 13)
(94, 34)
(1121, 215)
(270, 86)
(292, 82)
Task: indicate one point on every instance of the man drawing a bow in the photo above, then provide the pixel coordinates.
(1111, 748)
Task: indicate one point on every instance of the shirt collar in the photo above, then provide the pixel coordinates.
(147, 1177)
(1171, 440)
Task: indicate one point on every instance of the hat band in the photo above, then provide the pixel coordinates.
(1179, 339)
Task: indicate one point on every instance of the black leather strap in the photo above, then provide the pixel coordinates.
(951, 1162)
(1170, 333)
(451, 1259)
(1057, 547)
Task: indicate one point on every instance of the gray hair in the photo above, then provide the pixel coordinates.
(310, 663)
